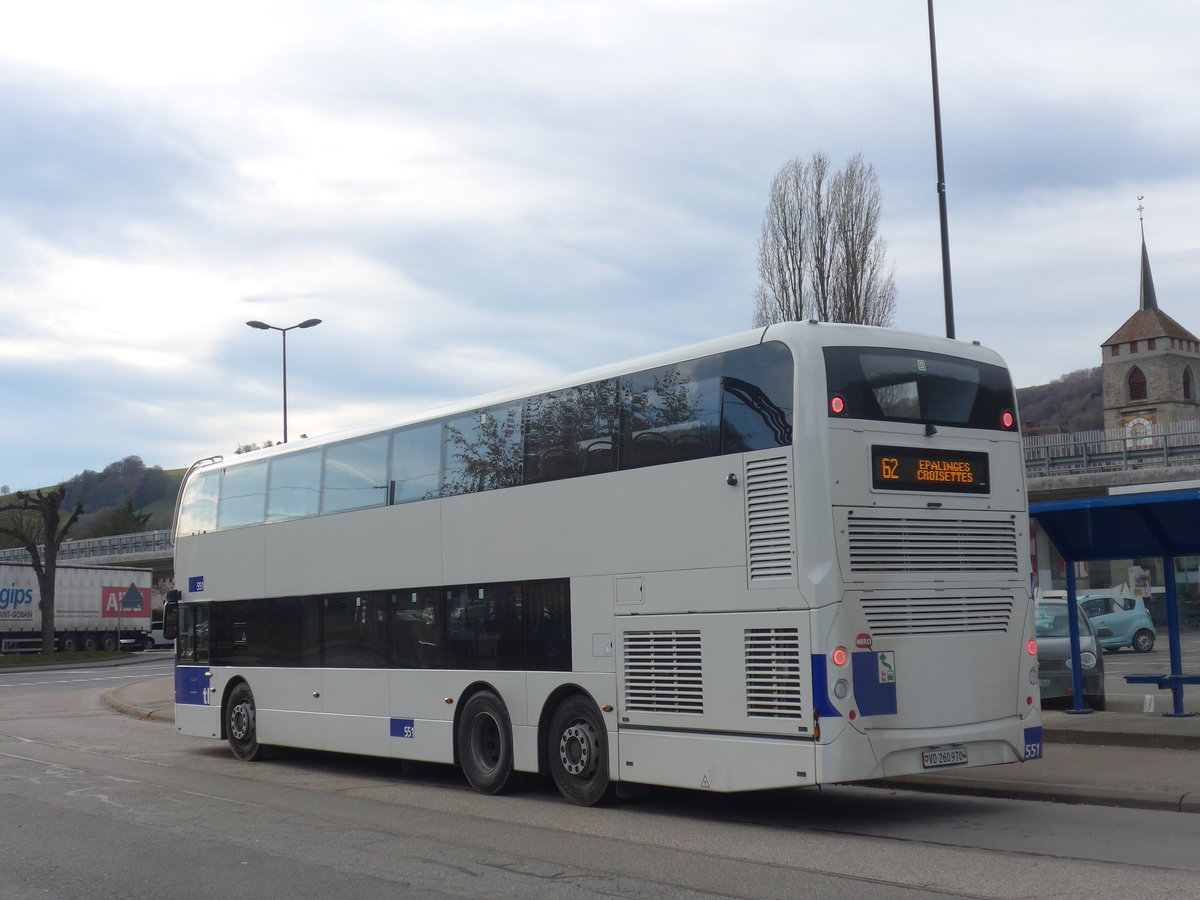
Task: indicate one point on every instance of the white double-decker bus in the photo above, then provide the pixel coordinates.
(789, 557)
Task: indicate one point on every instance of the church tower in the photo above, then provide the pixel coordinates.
(1150, 366)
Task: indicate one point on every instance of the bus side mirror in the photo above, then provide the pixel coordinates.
(171, 615)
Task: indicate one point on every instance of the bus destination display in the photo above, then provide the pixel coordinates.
(948, 471)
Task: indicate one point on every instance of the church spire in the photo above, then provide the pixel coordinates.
(1148, 298)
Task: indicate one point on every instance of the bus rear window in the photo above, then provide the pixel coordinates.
(911, 386)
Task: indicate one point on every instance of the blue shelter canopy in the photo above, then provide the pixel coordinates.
(1165, 524)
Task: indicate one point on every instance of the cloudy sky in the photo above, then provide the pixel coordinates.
(473, 194)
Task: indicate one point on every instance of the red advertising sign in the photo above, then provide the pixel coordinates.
(130, 602)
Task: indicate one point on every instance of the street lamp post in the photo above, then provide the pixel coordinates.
(307, 323)
(947, 289)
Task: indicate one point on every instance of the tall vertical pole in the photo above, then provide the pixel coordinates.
(941, 179)
(1073, 630)
(284, 332)
(1172, 602)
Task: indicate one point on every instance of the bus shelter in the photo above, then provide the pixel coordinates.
(1163, 524)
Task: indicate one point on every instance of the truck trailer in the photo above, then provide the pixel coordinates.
(94, 607)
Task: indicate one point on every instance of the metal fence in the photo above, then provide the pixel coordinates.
(140, 544)
(1112, 449)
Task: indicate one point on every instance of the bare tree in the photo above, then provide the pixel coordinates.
(34, 519)
(819, 254)
(780, 293)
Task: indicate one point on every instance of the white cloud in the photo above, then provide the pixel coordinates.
(478, 194)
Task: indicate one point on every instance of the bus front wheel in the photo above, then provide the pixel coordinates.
(485, 749)
(577, 750)
(241, 727)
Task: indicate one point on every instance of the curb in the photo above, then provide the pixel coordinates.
(1083, 796)
(1152, 741)
(114, 702)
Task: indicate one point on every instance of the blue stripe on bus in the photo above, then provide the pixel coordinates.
(822, 705)
(1033, 742)
(192, 685)
(874, 682)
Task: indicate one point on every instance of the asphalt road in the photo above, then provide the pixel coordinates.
(101, 805)
(53, 681)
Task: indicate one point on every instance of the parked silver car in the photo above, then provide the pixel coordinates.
(1054, 656)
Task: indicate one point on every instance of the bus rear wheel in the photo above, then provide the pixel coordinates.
(577, 751)
(485, 749)
(241, 724)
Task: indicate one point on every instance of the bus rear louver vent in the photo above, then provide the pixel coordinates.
(773, 686)
(888, 545)
(769, 520)
(936, 615)
(663, 672)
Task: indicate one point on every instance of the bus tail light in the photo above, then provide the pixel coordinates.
(837, 405)
(839, 656)
(1008, 419)
(1031, 647)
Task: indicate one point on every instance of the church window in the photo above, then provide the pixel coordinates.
(1137, 384)
(1116, 349)
(1150, 344)
(1133, 346)
(1187, 384)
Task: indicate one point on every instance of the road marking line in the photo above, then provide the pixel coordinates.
(70, 680)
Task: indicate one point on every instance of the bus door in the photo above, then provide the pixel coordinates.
(193, 675)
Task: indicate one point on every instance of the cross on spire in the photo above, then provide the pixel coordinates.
(1148, 298)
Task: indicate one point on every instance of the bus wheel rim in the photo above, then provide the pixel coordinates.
(241, 721)
(576, 748)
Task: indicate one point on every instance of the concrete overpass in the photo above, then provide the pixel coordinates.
(1090, 463)
(145, 550)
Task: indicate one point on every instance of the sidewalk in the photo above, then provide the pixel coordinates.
(1132, 759)
(1122, 758)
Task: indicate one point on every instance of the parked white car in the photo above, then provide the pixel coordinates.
(157, 640)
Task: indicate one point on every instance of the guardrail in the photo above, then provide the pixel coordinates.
(1112, 450)
(141, 543)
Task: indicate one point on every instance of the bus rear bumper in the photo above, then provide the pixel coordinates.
(908, 751)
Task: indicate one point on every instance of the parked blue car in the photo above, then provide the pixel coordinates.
(1126, 617)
